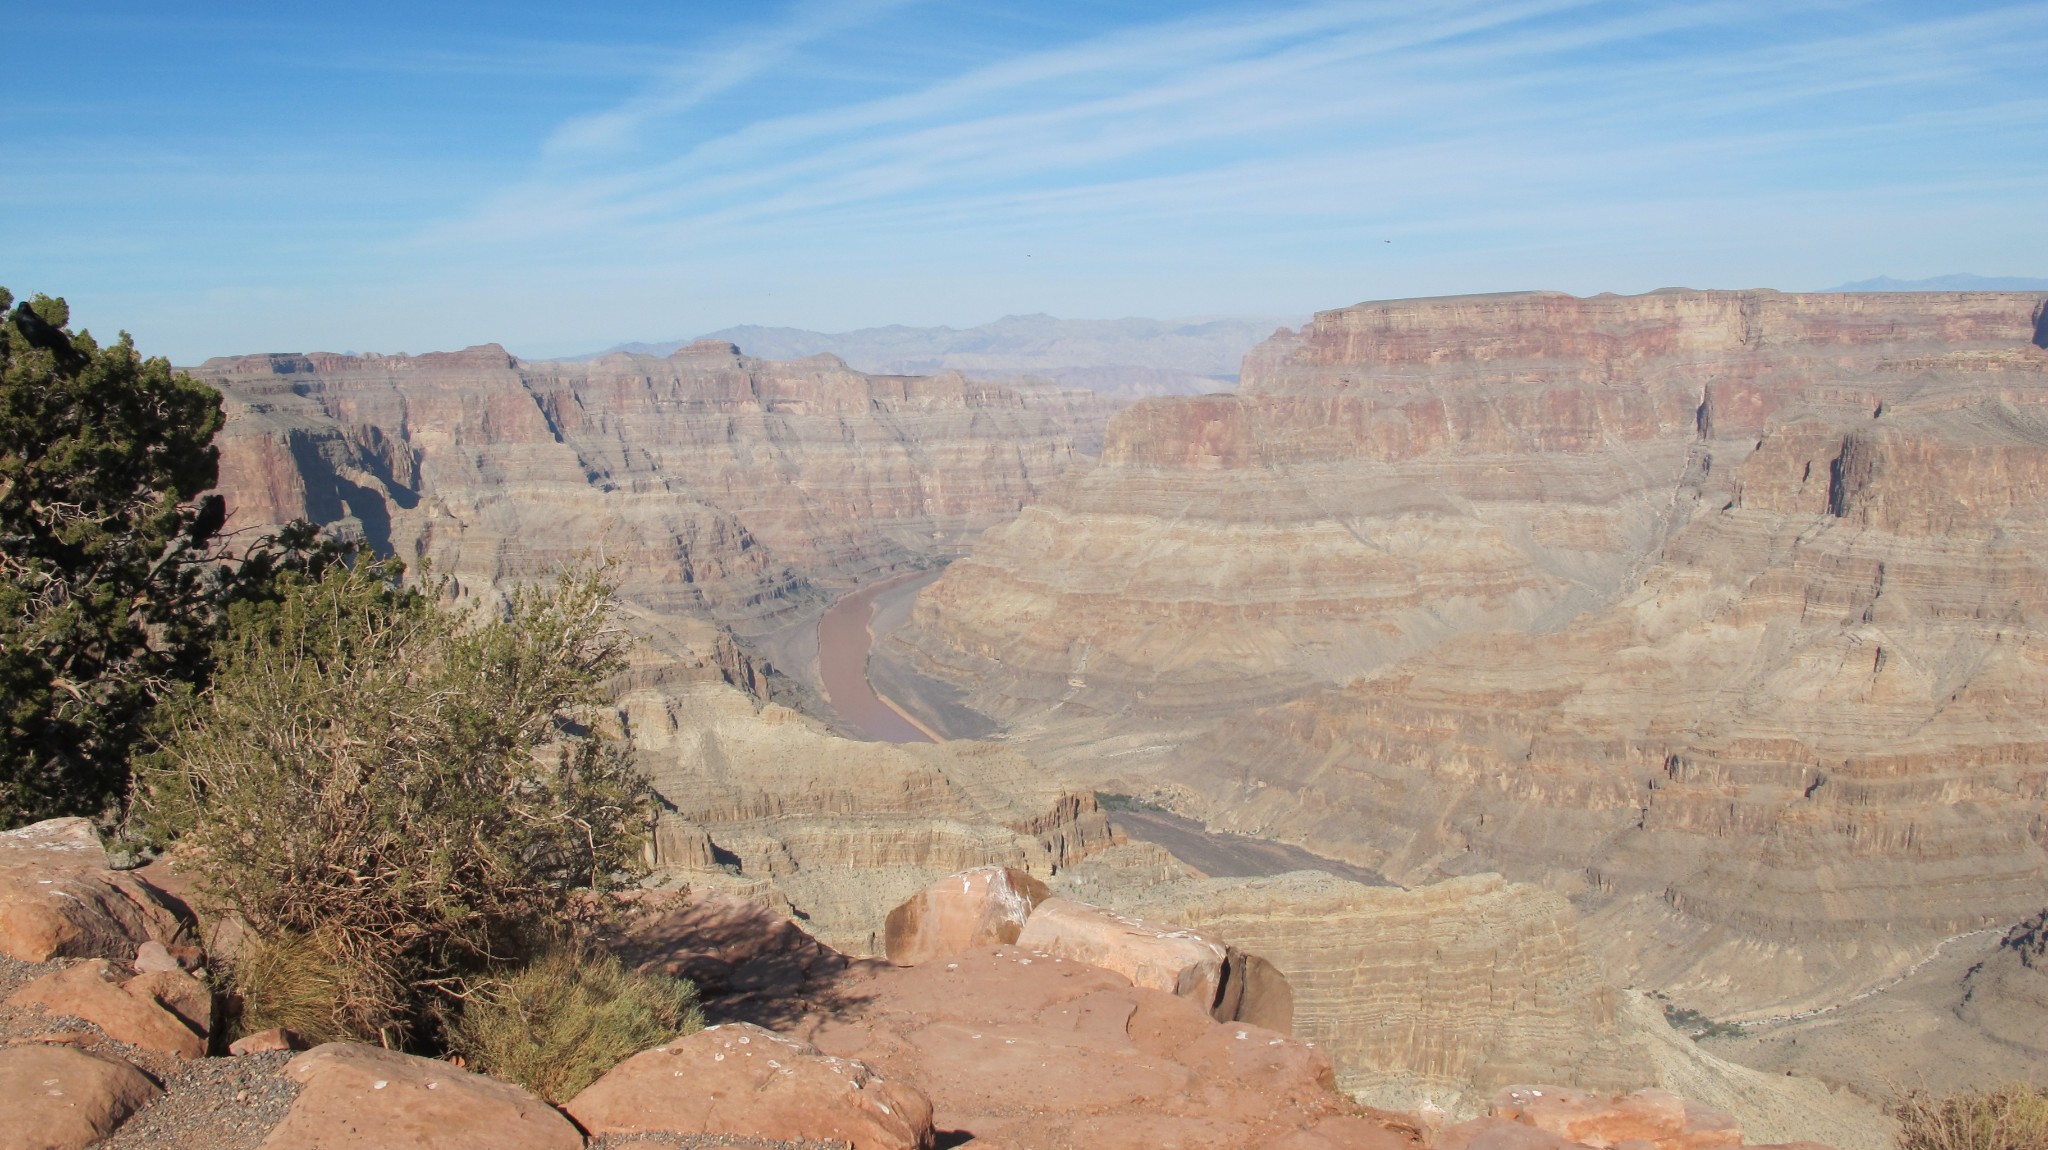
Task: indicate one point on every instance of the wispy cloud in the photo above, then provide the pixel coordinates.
(1320, 96)
(701, 75)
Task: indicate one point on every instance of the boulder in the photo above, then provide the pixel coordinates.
(179, 993)
(153, 956)
(355, 1097)
(1602, 1121)
(745, 1081)
(58, 1098)
(1177, 961)
(266, 1041)
(1017, 1047)
(986, 906)
(59, 900)
(99, 992)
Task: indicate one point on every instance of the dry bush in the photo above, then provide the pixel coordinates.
(2010, 1118)
(301, 982)
(558, 1023)
(416, 788)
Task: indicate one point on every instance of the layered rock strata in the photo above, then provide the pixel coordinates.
(765, 801)
(1448, 992)
(716, 484)
(1718, 611)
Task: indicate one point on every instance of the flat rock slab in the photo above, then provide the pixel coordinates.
(748, 1082)
(57, 1098)
(1176, 960)
(147, 1011)
(355, 1097)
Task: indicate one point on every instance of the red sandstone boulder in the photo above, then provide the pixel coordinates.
(986, 906)
(58, 899)
(266, 1041)
(361, 1098)
(132, 1010)
(745, 1081)
(1177, 961)
(57, 1098)
(179, 993)
(1017, 1047)
(1657, 1117)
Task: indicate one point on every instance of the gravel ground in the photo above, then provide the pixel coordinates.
(215, 1103)
(15, 974)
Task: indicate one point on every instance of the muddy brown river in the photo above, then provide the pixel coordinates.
(845, 636)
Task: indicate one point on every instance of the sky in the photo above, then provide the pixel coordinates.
(242, 177)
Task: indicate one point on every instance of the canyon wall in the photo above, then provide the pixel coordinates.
(1717, 612)
(718, 485)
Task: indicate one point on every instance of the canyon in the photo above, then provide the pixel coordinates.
(1684, 642)
(1716, 613)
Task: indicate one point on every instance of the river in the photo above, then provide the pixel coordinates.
(845, 636)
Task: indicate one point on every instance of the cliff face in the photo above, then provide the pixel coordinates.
(1720, 611)
(718, 484)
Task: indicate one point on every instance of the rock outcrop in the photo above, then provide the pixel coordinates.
(986, 906)
(58, 899)
(168, 1012)
(744, 1081)
(353, 1096)
(1719, 612)
(64, 1099)
(2006, 995)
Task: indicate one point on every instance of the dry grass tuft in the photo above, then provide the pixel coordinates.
(558, 1023)
(307, 983)
(2009, 1118)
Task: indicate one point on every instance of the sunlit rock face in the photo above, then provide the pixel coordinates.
(716, 484)
(1719, 611)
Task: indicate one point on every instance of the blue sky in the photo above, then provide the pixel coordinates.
(237, 177)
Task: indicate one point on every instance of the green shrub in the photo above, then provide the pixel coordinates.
(2011, 1118)
(559, 1022)
(416, 788)
(104, 544)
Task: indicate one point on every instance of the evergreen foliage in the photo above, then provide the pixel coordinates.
(104, 599)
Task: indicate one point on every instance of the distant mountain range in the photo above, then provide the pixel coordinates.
(1961, 281)
(1128, 358)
